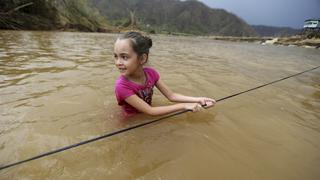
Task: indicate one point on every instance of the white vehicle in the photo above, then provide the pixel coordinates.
(311, 28)
(312, 23)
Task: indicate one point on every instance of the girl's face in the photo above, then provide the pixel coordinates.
(126, 60)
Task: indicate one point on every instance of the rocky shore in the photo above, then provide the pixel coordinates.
(300, 41)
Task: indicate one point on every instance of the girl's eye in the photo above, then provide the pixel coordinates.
(124, 57)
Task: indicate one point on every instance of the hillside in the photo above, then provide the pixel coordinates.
(50, 15)
(158, 16)
(191, 17)
(269, 31)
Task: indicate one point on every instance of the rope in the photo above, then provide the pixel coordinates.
(140, 125)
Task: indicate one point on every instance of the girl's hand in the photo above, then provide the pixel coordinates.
(207, 102)
(194, 107)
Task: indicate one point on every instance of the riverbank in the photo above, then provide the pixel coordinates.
(285, 41)
(299, 41)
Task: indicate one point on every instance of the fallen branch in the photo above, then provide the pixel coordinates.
(19, 7)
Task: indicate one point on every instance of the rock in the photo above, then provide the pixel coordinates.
(272, 41)
(309, 47)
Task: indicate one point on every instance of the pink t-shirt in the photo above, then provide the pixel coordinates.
(125, 88)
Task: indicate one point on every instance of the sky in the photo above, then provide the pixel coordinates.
(282, 13)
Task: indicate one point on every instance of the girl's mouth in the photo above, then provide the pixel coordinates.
(122, 69)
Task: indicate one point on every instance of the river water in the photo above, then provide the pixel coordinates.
(56, 89)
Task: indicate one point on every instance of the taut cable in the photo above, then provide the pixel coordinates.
(141, 125)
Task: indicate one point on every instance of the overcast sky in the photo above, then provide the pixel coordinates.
(289, 13)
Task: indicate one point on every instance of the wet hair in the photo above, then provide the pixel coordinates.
(140, 44)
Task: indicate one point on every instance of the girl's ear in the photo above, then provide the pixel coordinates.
(144, 59)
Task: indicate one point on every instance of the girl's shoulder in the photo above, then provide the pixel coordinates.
(148, 68)
(152, 73)
(122, 82)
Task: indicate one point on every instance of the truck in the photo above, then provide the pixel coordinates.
(311, 28)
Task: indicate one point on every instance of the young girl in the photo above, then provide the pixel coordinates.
(134, 87)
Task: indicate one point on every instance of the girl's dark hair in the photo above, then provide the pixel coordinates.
(139, 43)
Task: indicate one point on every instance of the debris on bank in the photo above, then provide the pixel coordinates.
(300, 41)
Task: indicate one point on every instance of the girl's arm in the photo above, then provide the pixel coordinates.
(175, 97)
(144, 107)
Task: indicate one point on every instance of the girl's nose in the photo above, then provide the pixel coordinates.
(119, 61)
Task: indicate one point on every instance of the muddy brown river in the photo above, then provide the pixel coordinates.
(56, 89)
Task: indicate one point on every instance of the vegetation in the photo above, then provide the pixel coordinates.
(267, 31)
(22, 14)
(50, 15)
(155, 16)
(172, 16)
